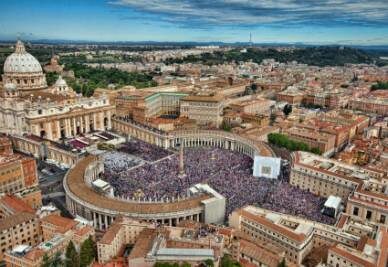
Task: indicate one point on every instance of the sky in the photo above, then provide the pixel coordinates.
(362, 22)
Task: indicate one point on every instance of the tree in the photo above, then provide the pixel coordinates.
(379, 86)
(282, 140)
(227, 261)
(272, 118)
(46, 261)
(282, 263)
(287, 109)
(226, 127)
(87, 252)
(316, 150)
(54, 261)
(209, 263)
(185, 264)
(72, 257)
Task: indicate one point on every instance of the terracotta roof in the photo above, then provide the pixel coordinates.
(227, 231)
(16, 219)
(64, 224)
(342, 220)
(259, 253)
(34, 254)
(78, 187)
(383, 257)
(202, 98)
(16, 204)
(143, 243)
(111, 233)
(351, 257)
(83, 230)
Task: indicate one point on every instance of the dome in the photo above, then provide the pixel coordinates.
(60, 82)
(10, 87)
(21, 62)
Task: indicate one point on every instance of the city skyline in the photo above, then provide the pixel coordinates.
(286, 21)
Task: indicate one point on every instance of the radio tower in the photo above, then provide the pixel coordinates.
(250, 39)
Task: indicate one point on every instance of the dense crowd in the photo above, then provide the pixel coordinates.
(119, 161)
(228, 172)
(144, 150)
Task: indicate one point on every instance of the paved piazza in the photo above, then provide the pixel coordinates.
(228, 172)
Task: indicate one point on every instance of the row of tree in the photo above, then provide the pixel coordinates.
(380, 86)
(317, 56)
(282, 140)
(88, 78)
(72, 258)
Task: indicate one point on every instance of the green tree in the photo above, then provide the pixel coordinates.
(226, 127)
(282, 140)
(46, 261)
(51, 78)
(287, 109)
(209, 263)
(185, 264)
(282, 263)
(379, 86)
(87, 252)
(72, 257)
(57, 261)
(227, 261)
(272, 118)
(54, 261)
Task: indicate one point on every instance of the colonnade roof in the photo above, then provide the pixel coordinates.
(77, 186)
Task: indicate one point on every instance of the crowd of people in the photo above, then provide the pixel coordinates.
(117, 161)
(228, 172)
(144, 150)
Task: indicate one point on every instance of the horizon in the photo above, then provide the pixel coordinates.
(327, 22)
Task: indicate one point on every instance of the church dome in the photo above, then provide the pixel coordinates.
(10, 87)
(60, 82)
(21, 62)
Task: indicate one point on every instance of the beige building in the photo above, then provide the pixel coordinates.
(363, 189)
(287, 235)
(325, 142)
(152, 243)
(54, 113)
(253, 106)
(122, 232)
(57, 235)
(324, 177)
(205, 110)
(368, 253)
(370, 201)
(17, 229)
(18, 175)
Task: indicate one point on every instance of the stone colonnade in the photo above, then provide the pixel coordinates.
(102, 217)
(191, 138)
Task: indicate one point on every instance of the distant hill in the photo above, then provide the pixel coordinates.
(317, 56)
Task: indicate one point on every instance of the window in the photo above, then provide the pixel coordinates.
(355, 211)
(368, 214)
(382, 218)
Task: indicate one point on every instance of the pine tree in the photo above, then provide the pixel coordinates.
(282, 263)
(87, 252)
(72, 257)
(46, 261)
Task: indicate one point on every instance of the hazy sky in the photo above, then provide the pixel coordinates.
(309, 21)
